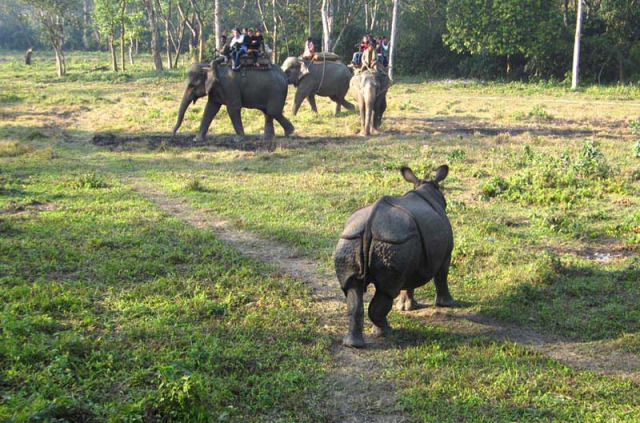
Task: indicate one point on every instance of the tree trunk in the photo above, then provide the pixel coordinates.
(374, 16)
(122, 60)
(85, 25)
(392, 41)
(200, 41)
(576, 49)
(326, 30)
(216, 23)
(274, 59)
(131, 49)
(61, 66)
(167, 36)
(620, 68)
(310, 20)
(155, 37)
(112, 51)
(366, 13)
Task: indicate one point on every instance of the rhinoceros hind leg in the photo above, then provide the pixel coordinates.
(378, 309)
(405, 301)
(355, 311)
(443, 297)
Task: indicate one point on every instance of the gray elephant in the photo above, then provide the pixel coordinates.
(369, 88)
(398, 244)
(326, 79)
(265, 90)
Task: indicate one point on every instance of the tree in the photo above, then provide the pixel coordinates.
(109, 16)
(51, 15)
(392, 41)
(576, 48)
(155, 36)
(327, 24)
(502, 28)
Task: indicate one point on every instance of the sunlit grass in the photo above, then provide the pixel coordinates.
(113, 310)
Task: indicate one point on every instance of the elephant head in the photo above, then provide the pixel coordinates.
(200, 81)
(292, 69)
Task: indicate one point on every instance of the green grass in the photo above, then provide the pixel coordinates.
(112, 310)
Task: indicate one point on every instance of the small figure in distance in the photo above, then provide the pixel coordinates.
(27, 57)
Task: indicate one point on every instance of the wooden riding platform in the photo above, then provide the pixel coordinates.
(247, 62)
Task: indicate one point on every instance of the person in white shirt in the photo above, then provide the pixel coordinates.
(237, 47)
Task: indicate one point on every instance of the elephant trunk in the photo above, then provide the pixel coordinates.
(184, 104)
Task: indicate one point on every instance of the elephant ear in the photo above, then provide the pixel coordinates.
(211, 77)
(441, 173)
(409, 176)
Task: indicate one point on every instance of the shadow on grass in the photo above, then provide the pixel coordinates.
(582, 302)
(227, 141)
(469, 126)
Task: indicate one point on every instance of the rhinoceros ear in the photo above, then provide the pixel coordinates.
(441, 173)
(409, 176)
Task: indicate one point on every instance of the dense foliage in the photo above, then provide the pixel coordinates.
(477, 38)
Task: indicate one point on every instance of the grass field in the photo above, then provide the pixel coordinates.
(113, 310)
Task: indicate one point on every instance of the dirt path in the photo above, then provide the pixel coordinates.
(355, 373)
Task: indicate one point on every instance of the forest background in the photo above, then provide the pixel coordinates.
(507, 39)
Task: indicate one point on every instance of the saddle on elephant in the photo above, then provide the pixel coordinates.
(326, 57)
(248, 62)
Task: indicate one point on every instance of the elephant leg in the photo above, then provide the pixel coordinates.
(368, 120)
(355, 312)
(405, 301)
(312, 102)
(346, 104)
(378, 309)
(338, 103)
(363, 111)
(269, 132)
(236, 120)
(286, 124)
(380, 108)
(443, 297)
(297, 100)
(210, 111)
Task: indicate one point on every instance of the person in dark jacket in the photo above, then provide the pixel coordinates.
(224, 52)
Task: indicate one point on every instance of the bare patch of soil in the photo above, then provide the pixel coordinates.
(355, 374)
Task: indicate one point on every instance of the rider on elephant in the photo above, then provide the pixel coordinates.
(237, 46)
(370, 57)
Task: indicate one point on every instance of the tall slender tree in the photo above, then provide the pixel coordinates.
(392, 41)
(155, 36)
(576, 49)
(52, 16)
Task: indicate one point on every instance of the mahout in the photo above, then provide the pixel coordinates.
(397, 244)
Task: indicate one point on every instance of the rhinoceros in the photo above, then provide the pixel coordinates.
(398, 244)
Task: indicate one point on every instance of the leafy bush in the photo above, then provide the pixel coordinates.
(591, 161)
(87, 180)
(543, 179)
